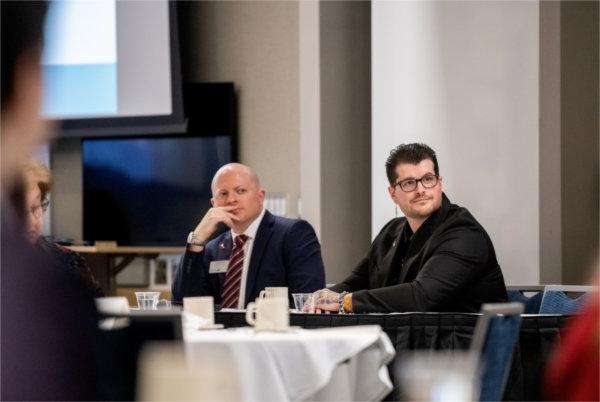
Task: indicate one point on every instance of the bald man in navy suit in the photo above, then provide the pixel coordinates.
(270, 251)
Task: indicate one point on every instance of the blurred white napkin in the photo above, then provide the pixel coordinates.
(112, 305)
(194, 321)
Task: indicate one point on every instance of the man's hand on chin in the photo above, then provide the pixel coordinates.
(211, 220)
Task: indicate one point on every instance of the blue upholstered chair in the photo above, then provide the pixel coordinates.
(556, 300)
(533, 302)
(494, 340)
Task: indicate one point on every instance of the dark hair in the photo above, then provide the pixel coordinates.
(409, 153)
(22, 31)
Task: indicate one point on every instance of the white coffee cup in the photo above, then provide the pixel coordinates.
(270, 314)
(112, 305)
(202, 306)
(270, 292)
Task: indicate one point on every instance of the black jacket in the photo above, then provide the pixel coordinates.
(72, 263)
(450, 265)
(49, 325)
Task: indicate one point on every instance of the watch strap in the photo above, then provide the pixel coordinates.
(195, 242)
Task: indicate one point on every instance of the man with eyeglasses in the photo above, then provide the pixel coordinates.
(436, 258)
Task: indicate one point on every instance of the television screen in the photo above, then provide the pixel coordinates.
(149, 191)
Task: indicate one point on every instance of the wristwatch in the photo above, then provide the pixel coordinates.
(195, 242)
(342, 310)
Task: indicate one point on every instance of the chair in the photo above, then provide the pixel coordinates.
(494, 340)
(119, 348)
(556, 300)
(532, 303)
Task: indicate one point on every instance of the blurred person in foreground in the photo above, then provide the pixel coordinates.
(435, 258)
(573, 372)
(47, 318)
(35, 200)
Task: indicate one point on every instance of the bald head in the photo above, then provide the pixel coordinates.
(236, 169)
(236, 186)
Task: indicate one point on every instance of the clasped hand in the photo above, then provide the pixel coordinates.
(325, 301)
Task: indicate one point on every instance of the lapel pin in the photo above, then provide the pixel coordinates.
(394, 244)
(222, 246)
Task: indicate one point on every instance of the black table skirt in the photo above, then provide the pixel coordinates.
(443, 331)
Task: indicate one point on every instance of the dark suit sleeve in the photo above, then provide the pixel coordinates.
(191, 278)
(459, 259)
(302, 253)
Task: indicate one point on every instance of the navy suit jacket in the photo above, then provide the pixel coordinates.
(286, 252)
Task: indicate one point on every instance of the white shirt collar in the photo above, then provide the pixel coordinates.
(253, 228)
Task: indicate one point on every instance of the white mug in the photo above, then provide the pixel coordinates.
(202, 306)
(112, 305)
(271, 314)
(274, 292)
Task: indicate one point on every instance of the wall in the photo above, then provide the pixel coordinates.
(550, 145)
(255, 44)
(345, 134)
(569, 133)
(463, 77)
(67, 195)
(579, 139)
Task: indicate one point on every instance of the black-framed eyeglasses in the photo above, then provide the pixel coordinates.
(427, 181)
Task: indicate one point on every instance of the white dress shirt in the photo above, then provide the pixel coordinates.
(251, 233)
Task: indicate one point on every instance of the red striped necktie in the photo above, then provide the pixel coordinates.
(231, 289)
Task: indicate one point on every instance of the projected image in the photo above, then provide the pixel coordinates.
(108, 59)
(80, 59)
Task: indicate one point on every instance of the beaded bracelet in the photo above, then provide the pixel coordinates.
(341, 303)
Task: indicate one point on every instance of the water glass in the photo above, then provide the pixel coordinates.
(149, 300)
(301, 300)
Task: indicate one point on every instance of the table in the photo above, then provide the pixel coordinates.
(241, 364)
(443, 331)
(102, 260)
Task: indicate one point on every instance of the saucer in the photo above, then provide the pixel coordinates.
(284, 330)
(210, 326)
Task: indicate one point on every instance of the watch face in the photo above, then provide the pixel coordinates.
(193, 241)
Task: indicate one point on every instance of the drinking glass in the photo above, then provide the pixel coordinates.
(149, 300)
(301, 299)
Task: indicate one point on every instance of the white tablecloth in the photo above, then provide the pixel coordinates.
(346, 363)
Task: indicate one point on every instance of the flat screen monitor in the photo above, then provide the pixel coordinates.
(149, 191)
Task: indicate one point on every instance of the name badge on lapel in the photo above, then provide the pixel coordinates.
(218, 267)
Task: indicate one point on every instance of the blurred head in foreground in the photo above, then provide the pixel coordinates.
(22, 128)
